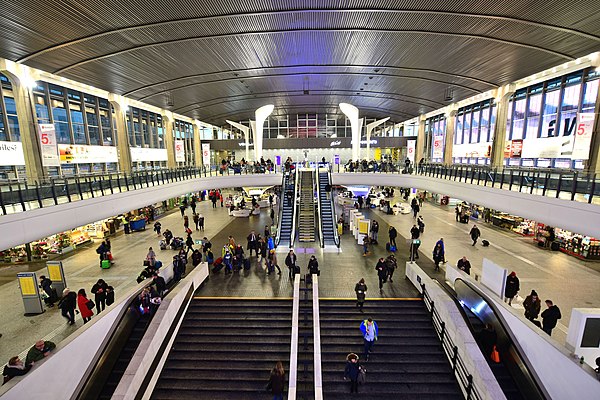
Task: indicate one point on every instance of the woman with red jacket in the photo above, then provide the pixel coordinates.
(84, 306)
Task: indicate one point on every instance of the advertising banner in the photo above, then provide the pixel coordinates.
(438, 146)
(206, 153)
(410, 150)
(140, 154)
(81, 154)
(179, 151)
(547, 147)
(583, 136)
(516, 148)
(474, 150)
(48, 145)
(11, 153)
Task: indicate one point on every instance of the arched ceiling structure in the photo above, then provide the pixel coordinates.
(220, 60)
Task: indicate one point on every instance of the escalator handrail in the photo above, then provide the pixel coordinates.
(316, 182)
(336, 237)
(295, 207)
(531, 375)
(281, 206)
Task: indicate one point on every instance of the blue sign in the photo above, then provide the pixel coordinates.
(336, 159)
(278, 160)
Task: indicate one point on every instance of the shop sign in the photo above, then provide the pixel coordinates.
(335, 143)
(206, 153)
(372, 141)
(438, 146)
(243, 144)
(80, 154)
(139, 154)
(179, 151)
(410, 149)
(336, 159)
(11, 153)
(48, 145)
(583, 136)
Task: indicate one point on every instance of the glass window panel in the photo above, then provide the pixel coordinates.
(58, 111)
(509, 118)
(41, 109)
(91, 117)
(76, 115)
(484, 124)
(13, 124)
(475, 127)
(73, 95)
(533, 116)
(94, 133)
(589, 96)
(568, 114)
(11, 106)
(3, 133)
(492, 123)
(518, 119)
(467, 127)
(79, 134)
(55, 90)
(549, 113)
(458, 136)
(62, 132)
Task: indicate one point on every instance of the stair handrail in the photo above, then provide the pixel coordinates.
(293, 373)
(295, 209)
(464, 378)
(336, 236)
(318, 378)
(281, 206)
(320, 219)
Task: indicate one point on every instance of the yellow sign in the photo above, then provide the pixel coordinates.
(363, 227)
(55, 272)
(27, 284)
(377, 154)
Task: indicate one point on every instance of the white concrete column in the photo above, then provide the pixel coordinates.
(261, 115)
(246, 131)
(502, 96)
(369, 129)
(197, 146)
(355, 123)
(449, 137)
(420, 146)
(120, 106)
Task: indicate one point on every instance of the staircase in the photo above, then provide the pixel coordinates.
(328, 222)
(225, 350)
(306, 382)
(306, 217)
(407, 361)
(286, 218)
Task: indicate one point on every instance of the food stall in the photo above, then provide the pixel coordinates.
(573, 244)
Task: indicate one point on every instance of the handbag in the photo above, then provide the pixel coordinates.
(495, 356)
(362, 375)
(90, 304)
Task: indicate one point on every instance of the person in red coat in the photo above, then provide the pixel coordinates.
(82, 303)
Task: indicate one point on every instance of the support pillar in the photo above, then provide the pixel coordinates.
(197, 146)
(502, 97)
(246, 131)
(369, 129)
(593, 164)
(261, 115)
(449, 137)
(125, 163)
(20, 79)
(420, 146)
(355, 123)
(169, 140)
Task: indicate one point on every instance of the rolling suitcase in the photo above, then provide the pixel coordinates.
(485, 243)
(105, 264)
(246, 264)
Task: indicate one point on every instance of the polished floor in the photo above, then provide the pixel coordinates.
(564, 279)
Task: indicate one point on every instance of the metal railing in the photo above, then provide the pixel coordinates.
(281, 205)
(293, 375)
(320, 219)
(336, 236)
(463, 377)
(23, 196)
(318, 377)
(295, 208)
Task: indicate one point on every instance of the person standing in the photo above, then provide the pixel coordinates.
(196, 220)
(272, 215)
(374, 231)
(532, 305)
(196, 257)
(550, 317)
(464, 265)
(415, 207)
(366, 241)
(272, 262)
(193, 204)
(361, 293)
(150, 258)
(214, 200)
(475, 234)
(392, 233)
(352, 371)
(370, 332)
(441, 243)
(99, 290)
(201, 221)
(46, 285)
(160, 284)
(83, 303)
(182, 210)
(221, 198)
(381, 269)
(438, 255)
(290, 262)
(252, 243)
(186, 223)
(415, 233)
(157, 227)
(67, 305)
(313, 266)
(168, 236)
(512, 287)
(391, 264)
(277, 381)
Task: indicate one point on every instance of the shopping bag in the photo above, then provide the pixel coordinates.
(495, 356)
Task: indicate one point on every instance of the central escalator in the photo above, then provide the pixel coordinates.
(306, 216)
(407, 361)
(287, 207)
(226, 348)
(327, 210)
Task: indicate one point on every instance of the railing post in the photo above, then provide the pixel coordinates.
(53, 189)
(21, 196)
(126, 182)
(574, 185)
(521, 177)
(559, 184)
(119, 183)
(534, 181)
(89, 182)
(454, 358)
(101, 185)
(546, 180)
(469, 386)
(79, 188)
(2, 203)
(443, 332)
(593, 189)
(37, 194)
(110, 184)
(511, 180)
(494, 177)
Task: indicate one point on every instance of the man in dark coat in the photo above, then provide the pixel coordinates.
(160, 284)
(290, 262)
(475, 233)
(512, 287)
(46, 285)
(393, 234)
(382, 272)
(252, 243)
(464, 265)
(550, 317)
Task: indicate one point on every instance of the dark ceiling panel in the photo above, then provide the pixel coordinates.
(408, 52)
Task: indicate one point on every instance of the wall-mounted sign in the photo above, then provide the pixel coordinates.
(81, 154)
(438, 146)
(335, 143)
(141, 154)
(516, 148)
(179, 151)
(583, 136)
(410, 150)
(336, 159)
(11, 153)
(243, 144)
(206, 153)
(48, 145)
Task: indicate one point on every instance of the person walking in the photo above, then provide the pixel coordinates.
(186, 223)
(464, 265)
(182, 210)
(487, 340)
(99, 290)
(381, 269)
(196, 220)
(290, 262)
(196, 257)
(159, 283)
(374, 231)
(550, 317)
(361, 293)
(415, 232)
(277, 381)
(313, 266)
(352, 371)
(193, 204)
(221, 198)
(214, 200)
(391, 264)
(438, 255)
(441, 243)
(393, 234)
(366, 242)
(532, 305)
(67, 305)
(46, 285)
(512, 287)
(370, 331)
(189, 243)
(415, 207)
(272, 215)
(150, 258)
(475, 234)
(201, 221)
(157, 227)
(84, 305)
(272, 262)
(252, 243)
(457, 212)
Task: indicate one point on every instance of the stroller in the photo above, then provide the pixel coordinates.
(177, 243)
(162, 244)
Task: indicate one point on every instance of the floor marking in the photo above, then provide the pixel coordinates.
(375, 298)
(240, 298)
